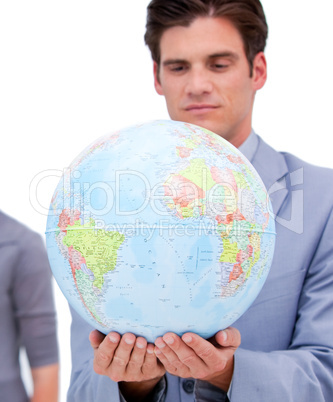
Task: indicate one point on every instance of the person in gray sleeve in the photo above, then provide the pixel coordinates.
(27, 315)
(209, 62)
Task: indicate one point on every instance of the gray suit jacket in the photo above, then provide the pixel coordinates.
(287, 334)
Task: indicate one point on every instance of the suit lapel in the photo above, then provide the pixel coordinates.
(272, 168)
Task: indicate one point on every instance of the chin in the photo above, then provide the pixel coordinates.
(209, 126)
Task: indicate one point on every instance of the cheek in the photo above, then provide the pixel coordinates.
(240, 98)
(172, 95)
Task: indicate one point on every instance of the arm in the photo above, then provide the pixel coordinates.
(45, 381)
(300, 371)
(35, 315)
(304, 371)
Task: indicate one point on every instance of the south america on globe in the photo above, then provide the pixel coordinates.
(160, 227)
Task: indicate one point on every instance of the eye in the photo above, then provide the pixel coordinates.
(177, 68)
(219, 64)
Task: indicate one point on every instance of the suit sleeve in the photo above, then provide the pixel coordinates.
(304, 372)
(33, 301)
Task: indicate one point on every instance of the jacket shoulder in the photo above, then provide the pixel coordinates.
(14, 231)
(314, 173)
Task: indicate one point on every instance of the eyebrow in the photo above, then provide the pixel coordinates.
(173, 61)
(226, 54)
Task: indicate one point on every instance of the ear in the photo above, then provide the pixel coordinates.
(259, 72)
(157, 83)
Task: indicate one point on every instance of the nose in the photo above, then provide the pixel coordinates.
(198, 82)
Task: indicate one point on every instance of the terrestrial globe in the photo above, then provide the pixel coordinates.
(160, 227)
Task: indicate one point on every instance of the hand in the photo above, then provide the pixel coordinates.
(127, 360)
(193, 356)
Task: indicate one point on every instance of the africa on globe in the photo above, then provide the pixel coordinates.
(160, 227)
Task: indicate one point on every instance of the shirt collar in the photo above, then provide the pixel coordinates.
(249, 146)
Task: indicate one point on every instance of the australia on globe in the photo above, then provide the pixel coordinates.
(160, 227)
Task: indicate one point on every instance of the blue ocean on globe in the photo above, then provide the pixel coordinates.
(160, 227)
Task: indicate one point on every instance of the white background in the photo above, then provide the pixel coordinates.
(74, 70)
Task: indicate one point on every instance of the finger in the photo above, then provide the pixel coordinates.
(171, 351)
(164, 361)
(201, 348)
(163, 352)
(229, 337)
(164, 348)
(137, 357)
(124, 350)
(96, 338)
(185, 354)
(150, 357)
(105, 351)
(152, 364)
(150, 350)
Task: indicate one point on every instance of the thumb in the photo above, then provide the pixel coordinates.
(229, 337)
(96, 338)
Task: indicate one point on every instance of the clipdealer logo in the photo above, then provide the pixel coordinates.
(292, 218)
(81, 195)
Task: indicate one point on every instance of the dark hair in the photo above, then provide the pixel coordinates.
(246, 15)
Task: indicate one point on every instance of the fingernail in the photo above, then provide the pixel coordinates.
(224, 335)
(113, 339)
(160, 345)
(129, 341)
(140, 345)
(169, 340)
(187, 338)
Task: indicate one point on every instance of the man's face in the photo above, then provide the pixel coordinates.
(205, 77)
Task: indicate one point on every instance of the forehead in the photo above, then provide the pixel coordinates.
(205, 36)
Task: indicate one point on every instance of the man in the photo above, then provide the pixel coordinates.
(209, 63)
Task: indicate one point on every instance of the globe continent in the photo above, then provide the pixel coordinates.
(160, 227)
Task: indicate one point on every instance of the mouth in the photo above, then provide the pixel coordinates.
(200, 108)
